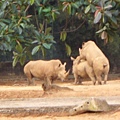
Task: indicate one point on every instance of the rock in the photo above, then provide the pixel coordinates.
(93, 105)
(47, 87)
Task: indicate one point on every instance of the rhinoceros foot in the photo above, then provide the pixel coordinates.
(93, 105)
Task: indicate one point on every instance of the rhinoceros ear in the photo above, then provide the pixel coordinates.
(64, 64)
(72, 58)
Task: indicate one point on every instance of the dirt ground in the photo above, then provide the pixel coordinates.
(11, 87)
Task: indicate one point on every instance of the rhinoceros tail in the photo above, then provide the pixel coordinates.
(104, 65)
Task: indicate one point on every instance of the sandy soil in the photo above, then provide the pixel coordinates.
(19, 89)
(86, 116)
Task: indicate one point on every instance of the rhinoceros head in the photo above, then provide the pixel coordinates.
(62, 74)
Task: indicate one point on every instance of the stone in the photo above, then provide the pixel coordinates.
(91, 105)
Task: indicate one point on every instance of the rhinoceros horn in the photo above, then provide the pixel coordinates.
(67, 73)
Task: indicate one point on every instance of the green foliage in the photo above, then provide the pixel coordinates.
(68, 49)
(32, 1)
(17, 34)
(13, 26)
(63, 35)
(27, 26)
(43, 39)
(19, 55)
(106, 17)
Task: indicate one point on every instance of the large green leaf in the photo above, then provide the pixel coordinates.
(40, 10)
(53, 15)
(7, 37)
(32, 1)
(43, 51)
(2, 24)
(35, 41)
(87, 9)
(108, 13)
(75, 5)
(44, 1)
(19, 48)
(47, 30)
(37, 2)
(65, 7)
(48, 9)
(101, 30)
(114, 20)
(36, 32)
(1, 14)
(22, 25)
(48, 37)
(68, 49)
(69, 9)
(15, 60)
(108, 7)
(63, 35)
(52, 41)
(14, 9)
(22, 59)
(47, 45)
(4, 5)
(8, 21)
(20, 30)
(35, 49)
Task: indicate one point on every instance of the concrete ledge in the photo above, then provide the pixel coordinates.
(46, 106)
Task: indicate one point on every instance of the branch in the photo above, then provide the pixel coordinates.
(36, 19)
(27, 8)
(74, 29)
(77, 27)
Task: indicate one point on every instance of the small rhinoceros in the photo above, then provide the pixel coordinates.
(95, 59)
(48, 70)
(83, 69)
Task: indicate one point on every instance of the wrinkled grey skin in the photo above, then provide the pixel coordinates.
(96, 59)
(93, 104)
(83, 69)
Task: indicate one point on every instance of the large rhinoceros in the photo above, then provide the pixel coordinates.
(83, 69)
(96, 59)
(48, 70)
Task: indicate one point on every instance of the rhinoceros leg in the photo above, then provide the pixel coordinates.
(31, 81)
(93, 79)
(48, 80)
(99, 79)
(105, 78)
(92, 76)
(47, 83)
(76, 80)
(29, 78)
(46, 86)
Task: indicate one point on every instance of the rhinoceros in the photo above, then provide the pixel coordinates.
(96, 59)
(83, 69)
(48, 70)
